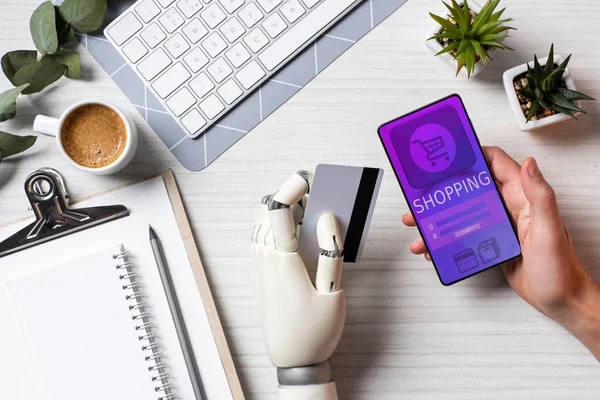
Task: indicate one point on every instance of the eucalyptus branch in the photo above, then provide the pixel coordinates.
(51, 27)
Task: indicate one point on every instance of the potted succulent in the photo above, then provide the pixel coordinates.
(545, 94)
(469, 35)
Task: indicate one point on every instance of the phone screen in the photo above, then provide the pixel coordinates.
(450, 190)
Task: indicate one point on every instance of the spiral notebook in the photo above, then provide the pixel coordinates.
(85, 316)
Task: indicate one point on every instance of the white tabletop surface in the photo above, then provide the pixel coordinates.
(407, 336)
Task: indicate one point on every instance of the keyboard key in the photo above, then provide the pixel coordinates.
(303, 32)
(310, 3)
(147, 10)
(165, 3)
(181, 102)
(230, 91)
(177, 45)
(201, 85)
(189, 7)
(214, 45)
(212, 106)
(219, 70)
(274, 25)
(232, 29)
(269, 5)
(250, 74)
(231, 5)
(193, 121)
(171, 20)
(125, 28)
(238, 55)
(195, 30)
(256, 40)
(196, 59)
(292, 10)
(171, 80)
(213, 15)
(154, 64)
(135, 50)
(251, 15)
(153, 35)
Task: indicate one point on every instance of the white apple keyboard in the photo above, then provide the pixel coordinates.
(202, 57)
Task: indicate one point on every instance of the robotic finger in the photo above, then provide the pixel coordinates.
(329, 270)
(283, 206)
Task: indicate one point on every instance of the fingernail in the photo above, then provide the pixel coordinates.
(532, 169)
(415, 241)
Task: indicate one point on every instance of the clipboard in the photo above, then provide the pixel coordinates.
(197, 268)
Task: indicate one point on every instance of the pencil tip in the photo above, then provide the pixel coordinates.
(152, 233)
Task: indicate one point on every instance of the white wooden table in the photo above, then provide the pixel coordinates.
(407, 336)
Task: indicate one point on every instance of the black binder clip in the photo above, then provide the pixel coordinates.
(47, 194)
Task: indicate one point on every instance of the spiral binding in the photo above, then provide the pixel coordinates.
(155, 359)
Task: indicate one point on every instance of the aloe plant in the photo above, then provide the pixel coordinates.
(470, 37)
(546, 90)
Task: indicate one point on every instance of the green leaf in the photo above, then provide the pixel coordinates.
(43, 28)
(563, 110)
(39, 75)
(15, 60)
(452, 35)
(487, 28)
(13, 144)
(527, 92)
(8, 102)
(561, 101)
(574, 95)
(496, 16)
(481, 51)
(484, 15)
(538, 71)
(502, 28)
(532, 110)
(70, 59)
(460, 63)
(550, 63)
(65, 31)
(494, 43)
(448, 48)
(462, 47)
(563, 65)
(552, 81)
(447, 25)
(459, 17)
(470, 60)
(84, 15)
(545, 104)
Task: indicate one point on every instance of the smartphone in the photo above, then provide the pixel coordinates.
(450, 190)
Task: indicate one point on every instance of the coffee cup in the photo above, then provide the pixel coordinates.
(93, 135)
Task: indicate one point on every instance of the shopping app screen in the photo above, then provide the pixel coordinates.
(450, 190)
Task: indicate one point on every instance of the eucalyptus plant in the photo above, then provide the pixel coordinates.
(30, 71)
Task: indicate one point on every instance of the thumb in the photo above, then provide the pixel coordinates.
(543, 208)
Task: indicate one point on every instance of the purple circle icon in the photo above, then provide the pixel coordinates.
(432, 148)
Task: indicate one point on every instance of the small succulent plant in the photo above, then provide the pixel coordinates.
(546, 90)
(469, 35)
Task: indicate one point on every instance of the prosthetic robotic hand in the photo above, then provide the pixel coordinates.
(302, 323)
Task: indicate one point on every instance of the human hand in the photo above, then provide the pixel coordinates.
(549, 275)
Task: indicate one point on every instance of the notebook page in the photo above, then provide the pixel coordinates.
(148, 203)
(79, 325)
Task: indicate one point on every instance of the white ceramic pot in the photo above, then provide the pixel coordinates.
(513, 100)
(448, 58)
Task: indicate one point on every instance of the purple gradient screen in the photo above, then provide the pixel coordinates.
(450, 190)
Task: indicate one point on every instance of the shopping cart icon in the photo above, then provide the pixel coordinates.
(434, 148)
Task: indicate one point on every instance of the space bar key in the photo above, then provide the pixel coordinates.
(303, 32)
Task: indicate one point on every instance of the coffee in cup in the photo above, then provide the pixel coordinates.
(93, 135)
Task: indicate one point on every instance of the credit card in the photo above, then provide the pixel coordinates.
(349, 193)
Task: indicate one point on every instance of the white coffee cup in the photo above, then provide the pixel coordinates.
(53, 127)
